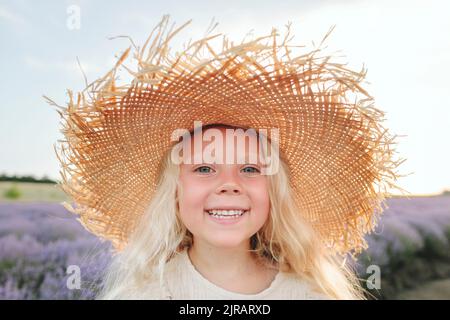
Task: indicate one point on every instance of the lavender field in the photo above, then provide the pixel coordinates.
(38, 241)
(411, 245)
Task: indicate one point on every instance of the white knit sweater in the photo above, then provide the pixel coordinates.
(184, 282)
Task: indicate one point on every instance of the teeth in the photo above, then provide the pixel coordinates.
(226, 213)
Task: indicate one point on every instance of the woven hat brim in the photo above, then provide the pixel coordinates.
(339, 154)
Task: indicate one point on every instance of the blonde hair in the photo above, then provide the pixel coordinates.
(285, 239)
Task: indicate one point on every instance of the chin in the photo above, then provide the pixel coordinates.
(227, 242)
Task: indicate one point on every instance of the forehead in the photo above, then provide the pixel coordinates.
(236, 145)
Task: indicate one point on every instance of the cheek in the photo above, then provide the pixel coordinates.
(192, 199)
(260, 200)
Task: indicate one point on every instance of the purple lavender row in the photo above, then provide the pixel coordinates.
(39, 241)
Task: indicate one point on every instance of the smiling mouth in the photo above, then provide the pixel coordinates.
(226, 214)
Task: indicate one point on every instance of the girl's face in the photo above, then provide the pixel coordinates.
(225, 186)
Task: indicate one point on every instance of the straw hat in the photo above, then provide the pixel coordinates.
(339, 154)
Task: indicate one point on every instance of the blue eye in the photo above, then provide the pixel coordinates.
(197, 169)
(251, 171)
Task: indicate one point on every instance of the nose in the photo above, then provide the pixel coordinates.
(229, 188)
(229, 181)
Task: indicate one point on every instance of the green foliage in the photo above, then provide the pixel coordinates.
(13, 193)
(14, 178)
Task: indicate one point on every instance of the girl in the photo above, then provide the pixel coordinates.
(267, 253)
(235, 230)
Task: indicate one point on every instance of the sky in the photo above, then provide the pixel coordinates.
(405, 46)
